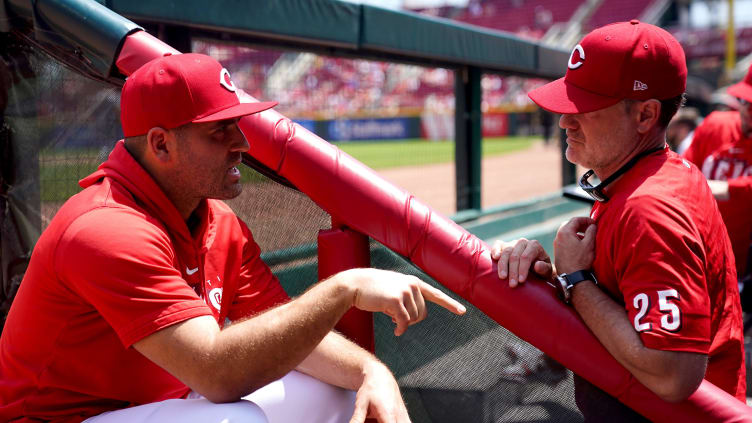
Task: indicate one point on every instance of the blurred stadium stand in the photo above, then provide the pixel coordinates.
(617, 10)
(310, 86)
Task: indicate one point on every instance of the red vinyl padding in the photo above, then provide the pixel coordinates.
(361, 199)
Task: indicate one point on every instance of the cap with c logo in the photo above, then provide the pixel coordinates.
(174, 90)
(623, 60)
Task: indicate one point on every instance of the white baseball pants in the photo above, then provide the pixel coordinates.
(296, 397)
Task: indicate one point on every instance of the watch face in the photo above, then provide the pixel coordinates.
(562, 287)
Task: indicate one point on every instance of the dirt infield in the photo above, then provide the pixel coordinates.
(509, 178)
(269, 209)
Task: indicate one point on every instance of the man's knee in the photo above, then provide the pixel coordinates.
(299, 397)
(240, 411)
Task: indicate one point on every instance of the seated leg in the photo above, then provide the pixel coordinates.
(298, 397)
(199, 410)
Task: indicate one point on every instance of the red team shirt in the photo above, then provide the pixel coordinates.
(116, 264)
(721, 152)
(662, 251)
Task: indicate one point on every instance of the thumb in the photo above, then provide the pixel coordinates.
(360, 412)
(543, 269)
(589, 237)
(402, 319)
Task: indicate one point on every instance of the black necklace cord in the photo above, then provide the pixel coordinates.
(597, 191)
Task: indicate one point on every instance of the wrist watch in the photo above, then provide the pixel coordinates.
(568, 280)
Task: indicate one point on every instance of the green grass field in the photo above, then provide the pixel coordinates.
(412, 152)
(61, 170)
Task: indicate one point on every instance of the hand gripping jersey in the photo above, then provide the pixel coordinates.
(721, 152)
(118, 263)
(662, 251)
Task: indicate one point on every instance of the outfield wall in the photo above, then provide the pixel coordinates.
(432, 126)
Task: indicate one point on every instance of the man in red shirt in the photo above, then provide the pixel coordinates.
(722, 149)
(656, 283)
(121, 314)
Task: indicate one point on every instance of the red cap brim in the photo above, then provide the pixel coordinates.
(239, 110)
(741, 90)
(563, 97)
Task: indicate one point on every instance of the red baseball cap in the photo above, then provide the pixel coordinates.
(742, 89)
(622, 60)
(174, 90)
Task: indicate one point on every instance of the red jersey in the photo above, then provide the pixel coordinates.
(662, 251)
(118, 263)
(721, 152)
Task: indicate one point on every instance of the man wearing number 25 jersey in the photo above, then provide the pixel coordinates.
(651, 271)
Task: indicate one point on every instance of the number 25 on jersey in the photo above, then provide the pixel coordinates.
(671, 314)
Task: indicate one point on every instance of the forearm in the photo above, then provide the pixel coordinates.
(228, 364)
(225, 365)
(338, 361)
(671, 375)
(269, 345)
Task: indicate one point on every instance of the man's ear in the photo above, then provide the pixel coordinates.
(160, 144)
(647, 114)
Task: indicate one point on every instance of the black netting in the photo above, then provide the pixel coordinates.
(59, 125)
(470, 369)
(285, 223)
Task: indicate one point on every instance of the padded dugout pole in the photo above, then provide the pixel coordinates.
(340, 249)
(344, 187)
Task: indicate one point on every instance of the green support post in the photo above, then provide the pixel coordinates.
(467, 130)
(568, 170)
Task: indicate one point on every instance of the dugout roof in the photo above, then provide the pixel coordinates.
(334, 26)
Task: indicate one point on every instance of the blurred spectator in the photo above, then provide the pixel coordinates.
(723, 102)
(682, 128)
(546, 121)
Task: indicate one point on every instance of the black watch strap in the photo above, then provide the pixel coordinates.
(566, 281)
(581, 275)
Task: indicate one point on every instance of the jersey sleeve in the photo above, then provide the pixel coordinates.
(258, 288)
(122, 265)
(661, 275)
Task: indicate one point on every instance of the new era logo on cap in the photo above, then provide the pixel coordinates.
(175, 90)
(639, 86)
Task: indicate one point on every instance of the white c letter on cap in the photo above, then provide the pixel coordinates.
(229, 85)
(579, 49)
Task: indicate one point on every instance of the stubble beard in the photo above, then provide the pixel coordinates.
(227, 192)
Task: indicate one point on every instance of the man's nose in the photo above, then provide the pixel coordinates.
(239, 143)
(567, 122)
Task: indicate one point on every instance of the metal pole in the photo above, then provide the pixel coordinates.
(730, 41)
(568, 170)
(468, 136)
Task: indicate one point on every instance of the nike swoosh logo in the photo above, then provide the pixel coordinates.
(191, 271)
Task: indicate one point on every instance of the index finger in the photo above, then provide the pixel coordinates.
(435, 296)
(497, 248)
